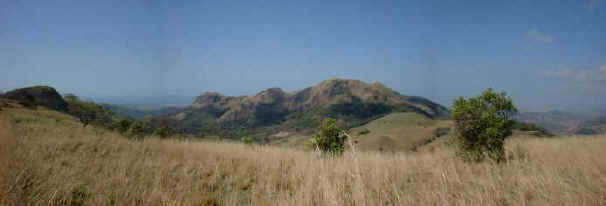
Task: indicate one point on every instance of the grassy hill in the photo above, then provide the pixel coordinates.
(401, 132)
(48, 158)
(398, 132)
(37, 95)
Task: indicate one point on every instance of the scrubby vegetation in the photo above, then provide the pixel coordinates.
(246, 140)
(55, 161)
(482, 123)
(89, 112)
(140, 114)
(163, 132)
(101, 116)
(329, 139)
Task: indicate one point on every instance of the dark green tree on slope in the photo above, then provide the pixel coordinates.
(482, 124)
(329, 139)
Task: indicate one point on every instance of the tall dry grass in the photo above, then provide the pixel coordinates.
(60, 163)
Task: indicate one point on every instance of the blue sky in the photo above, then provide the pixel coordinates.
(544, 53)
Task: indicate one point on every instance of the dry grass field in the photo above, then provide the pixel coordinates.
(49, 159)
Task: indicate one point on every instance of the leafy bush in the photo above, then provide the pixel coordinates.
(136, 130)
(163, 132)
(246, 140)
(481, 124)
(329, 139)
(122, 125)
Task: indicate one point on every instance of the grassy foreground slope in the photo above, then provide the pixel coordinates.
(49, 159)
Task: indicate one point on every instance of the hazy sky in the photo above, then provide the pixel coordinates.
(542, 52)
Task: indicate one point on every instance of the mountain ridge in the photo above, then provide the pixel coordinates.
(353, 102)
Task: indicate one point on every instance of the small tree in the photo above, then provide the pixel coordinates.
(329, 139)
(482, 123)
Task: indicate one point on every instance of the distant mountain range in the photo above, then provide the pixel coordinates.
(145, 103)
(273, 111)
(352, 102)
(592, 126)
(565, 123)
(555, 121)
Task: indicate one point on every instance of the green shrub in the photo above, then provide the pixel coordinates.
(136, 130)
(246, 140)
(329, 139)
(123, 125)
(481, 124)
(163, 132)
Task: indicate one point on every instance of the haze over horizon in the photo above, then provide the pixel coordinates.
(543, 53)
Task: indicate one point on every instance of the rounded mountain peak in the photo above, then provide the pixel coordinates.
(271, 95)
(39, 95)
(273, 91)
(348, 87)
(209, 98)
